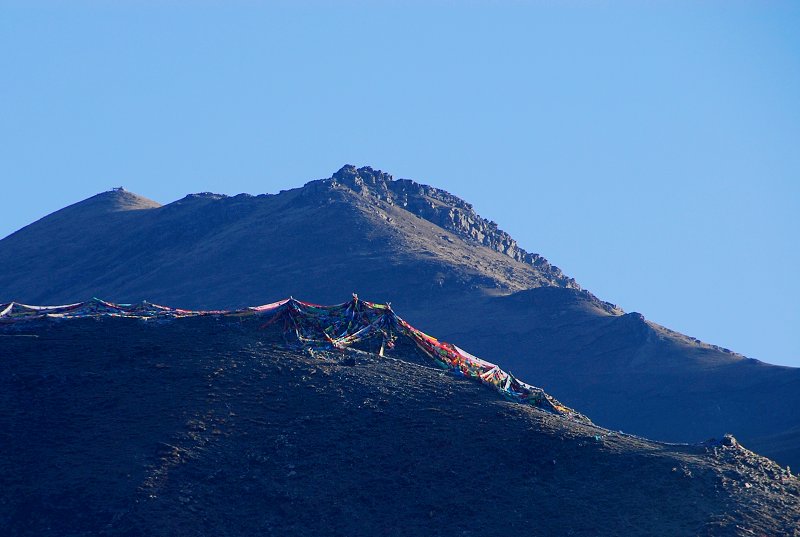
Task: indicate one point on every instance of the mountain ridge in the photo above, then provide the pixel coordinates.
(351, 233)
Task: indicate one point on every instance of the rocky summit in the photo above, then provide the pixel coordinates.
(458, 275)
(443, 209)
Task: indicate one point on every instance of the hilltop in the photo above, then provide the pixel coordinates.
(215, 425)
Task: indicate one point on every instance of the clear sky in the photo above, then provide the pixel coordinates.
(649, 149)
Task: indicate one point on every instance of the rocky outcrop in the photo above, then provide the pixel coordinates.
(441, 208)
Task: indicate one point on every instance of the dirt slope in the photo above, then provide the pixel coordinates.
(208, 426)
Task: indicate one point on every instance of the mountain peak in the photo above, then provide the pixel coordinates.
(118, 199)
(441, 208)
(351, 176)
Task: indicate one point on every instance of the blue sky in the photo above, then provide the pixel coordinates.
(651, 150)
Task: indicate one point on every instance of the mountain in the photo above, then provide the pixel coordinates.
(215, 426)
(434, 258)
(207, 250)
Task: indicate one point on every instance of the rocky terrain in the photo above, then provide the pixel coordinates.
(458, 275)
(441, 208)
(215, 426)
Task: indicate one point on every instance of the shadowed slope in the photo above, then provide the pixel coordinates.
(628, 373)
(211, 426)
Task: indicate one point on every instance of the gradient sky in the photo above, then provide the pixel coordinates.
(650, 150)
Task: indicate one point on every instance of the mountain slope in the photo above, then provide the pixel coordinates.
(213, 426)
(428, 253)
(631, 374)
(168, 253)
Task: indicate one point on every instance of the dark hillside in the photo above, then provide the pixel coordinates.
(212, 426)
